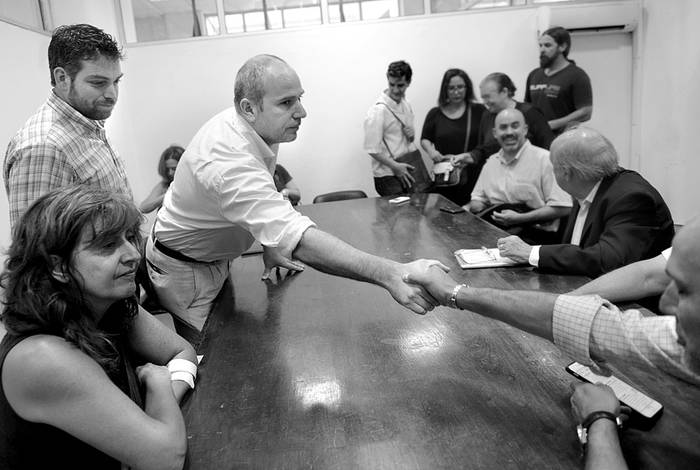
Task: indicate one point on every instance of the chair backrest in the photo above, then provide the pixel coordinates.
(340, 196)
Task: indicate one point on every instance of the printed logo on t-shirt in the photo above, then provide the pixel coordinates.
(552, 91)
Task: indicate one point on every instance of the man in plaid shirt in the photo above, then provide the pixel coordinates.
(65, 142)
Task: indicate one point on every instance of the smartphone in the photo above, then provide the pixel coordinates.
(643, 405)
(399, 199)
(452, 210)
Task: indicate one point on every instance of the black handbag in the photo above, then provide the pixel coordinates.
(456, 176)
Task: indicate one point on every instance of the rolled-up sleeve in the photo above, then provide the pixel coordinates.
(572, 321)
(249, 199)
(591, 329)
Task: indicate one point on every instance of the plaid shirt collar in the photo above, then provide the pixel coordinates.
(73, 115)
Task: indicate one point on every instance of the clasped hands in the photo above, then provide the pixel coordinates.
(419, 285)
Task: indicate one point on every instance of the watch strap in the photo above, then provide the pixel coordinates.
(596, 415)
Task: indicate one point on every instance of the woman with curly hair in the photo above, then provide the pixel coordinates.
(71, 396)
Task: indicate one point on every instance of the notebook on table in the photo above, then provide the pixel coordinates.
(482, 258)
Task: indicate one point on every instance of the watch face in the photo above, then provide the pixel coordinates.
(582, 434)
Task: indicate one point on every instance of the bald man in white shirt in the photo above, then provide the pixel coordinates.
(223, 198)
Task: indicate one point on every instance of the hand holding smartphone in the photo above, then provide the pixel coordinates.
(642, 405)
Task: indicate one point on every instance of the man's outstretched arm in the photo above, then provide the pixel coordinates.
(331, 255)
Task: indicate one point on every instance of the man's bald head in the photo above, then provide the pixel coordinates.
(510, 131)
(510, 114)
(584, 153)
(250, 79)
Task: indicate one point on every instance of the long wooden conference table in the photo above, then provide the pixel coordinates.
(319, 372)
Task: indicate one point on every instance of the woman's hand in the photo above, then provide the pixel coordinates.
(461, 160)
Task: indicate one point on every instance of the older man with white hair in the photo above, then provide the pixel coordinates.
(618, 217)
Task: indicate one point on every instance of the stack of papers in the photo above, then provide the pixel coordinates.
(482, 258)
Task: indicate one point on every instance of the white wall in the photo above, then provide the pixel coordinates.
(25, 84)
(171, 89)
(670, 97)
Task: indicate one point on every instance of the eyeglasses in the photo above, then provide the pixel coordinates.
(456, 87)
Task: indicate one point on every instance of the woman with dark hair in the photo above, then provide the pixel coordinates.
(452, 129)
(166, 169)
(70, 395)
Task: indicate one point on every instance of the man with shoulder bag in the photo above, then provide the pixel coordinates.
(397, 164)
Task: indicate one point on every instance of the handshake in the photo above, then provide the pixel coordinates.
(422, 285)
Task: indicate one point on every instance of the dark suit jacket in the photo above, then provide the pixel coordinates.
(628, 221)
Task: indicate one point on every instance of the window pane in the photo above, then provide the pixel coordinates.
(350, 10)
(304, 16)
(489, 4)
(25, 12)
(234, 23)
(157, 20)
(441, 6)
(280, 13)
(375, 9)
(212, 23)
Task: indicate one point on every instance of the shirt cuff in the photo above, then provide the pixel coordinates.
(293, 233)
(572, 321)
(534, 258)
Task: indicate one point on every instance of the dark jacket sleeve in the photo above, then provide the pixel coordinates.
(487, 142)
(627, 227)
(527, 98)
(538, 128)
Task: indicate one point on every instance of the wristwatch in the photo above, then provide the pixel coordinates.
(582, 429)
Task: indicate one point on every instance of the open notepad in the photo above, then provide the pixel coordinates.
(482, 258)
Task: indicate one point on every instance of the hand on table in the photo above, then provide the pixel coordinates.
(588, 398)
(274, 258)
(403, 172)
(514, 248)
(506, 217)
(407, 291)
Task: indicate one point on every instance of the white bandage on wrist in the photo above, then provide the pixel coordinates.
(184, 370)
(184, 377)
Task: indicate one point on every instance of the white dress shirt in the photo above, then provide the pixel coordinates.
(223, 196)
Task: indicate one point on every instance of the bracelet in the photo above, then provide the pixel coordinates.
(183, 365)
(184, 377)
(453, 297)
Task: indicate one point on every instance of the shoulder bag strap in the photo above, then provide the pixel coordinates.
(469, 126)
(392, 112)
(402, 126)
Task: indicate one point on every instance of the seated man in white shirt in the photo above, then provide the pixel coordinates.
(591, 329)
(223, 198)
(618, 217)
(520, 174)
